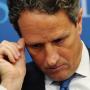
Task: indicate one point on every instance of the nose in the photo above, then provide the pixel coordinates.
(52, 56)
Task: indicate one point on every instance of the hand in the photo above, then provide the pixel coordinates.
(12, 64)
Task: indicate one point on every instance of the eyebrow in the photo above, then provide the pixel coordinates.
(63, 35)
(60, 36)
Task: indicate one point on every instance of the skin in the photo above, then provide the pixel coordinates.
(53, 42)
(12, 68)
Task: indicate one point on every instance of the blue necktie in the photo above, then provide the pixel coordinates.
(64, 85)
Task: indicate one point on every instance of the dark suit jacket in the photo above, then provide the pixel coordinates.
(34, 79)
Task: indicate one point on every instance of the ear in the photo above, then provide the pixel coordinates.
(79, 21)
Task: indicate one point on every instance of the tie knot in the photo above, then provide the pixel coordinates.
(64, 84)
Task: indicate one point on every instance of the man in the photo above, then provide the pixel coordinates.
(51, 31)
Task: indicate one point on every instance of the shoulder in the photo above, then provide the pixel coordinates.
(32, 71)
(31, 68)
(89, 51)
(33, 76)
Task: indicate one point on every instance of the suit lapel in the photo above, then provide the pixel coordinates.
(34, 79)
(38, 80)
(89, 51)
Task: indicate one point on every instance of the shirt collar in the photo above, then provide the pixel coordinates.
(48, 80)
(84, 67)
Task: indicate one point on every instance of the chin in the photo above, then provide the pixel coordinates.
(59, 77)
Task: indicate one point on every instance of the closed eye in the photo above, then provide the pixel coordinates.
(37, 46)
(59, 40)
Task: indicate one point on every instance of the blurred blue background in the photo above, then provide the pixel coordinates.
(7, 32)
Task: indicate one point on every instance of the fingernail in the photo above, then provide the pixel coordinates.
(14, 62)
(18, 54)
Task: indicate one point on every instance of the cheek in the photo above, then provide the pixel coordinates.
(72, 56)
(68, 55)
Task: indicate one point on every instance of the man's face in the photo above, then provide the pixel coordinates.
(53, 42)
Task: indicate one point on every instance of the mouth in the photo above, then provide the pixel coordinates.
(57, 69)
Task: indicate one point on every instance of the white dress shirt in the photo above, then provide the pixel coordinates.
(2, 88)
(81, 82)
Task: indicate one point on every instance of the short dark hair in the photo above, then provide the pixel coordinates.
(48, 6)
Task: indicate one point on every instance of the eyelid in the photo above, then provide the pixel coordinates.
(59, 39)
(38, 45)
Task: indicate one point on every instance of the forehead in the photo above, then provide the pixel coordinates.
(36, 18)
(41, 25)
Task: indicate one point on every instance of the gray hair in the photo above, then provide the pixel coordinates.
(48, 6)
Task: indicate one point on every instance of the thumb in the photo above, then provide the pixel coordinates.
(21, 61)
(21, 43)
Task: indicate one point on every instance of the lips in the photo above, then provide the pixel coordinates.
(56, 69)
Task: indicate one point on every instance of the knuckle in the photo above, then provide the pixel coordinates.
(13, 44)
(4, 41)
(1, 57)
(16, 45)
